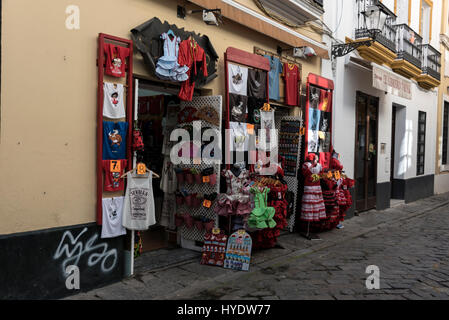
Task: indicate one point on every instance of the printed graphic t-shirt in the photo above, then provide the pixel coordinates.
(275, 71)
(113, 106)
(115, 60)
(112, 181)
(114, 140)
(112, 218)
(237, 79)
(291, 76)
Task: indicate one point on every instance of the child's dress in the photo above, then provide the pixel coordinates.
(168, 67)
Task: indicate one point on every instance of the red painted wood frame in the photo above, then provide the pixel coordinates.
(249, 60)
(102, 39)
(320, 83)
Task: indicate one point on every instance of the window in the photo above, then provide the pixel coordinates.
(445, 133)
(421, 151)
(446, 63)
(425, 20)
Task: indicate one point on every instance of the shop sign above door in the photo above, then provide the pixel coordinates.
(392, 83)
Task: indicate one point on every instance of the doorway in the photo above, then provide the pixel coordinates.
(393, 150)
(367, 109)
(152, 105)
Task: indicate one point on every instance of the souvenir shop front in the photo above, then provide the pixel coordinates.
(220, 192)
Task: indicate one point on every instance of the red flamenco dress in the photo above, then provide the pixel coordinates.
(313, 210)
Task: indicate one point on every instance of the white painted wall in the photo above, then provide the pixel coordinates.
(350, 78)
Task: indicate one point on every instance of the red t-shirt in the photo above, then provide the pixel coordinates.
(112, 181)
(115, 60)
(291, 77)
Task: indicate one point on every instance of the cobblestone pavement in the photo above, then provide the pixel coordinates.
(408, 243)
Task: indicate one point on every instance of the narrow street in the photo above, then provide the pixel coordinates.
(408, 243)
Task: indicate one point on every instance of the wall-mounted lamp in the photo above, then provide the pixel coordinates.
(210, 16)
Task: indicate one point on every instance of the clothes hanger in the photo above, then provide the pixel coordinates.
(170, 32)
(146, 170)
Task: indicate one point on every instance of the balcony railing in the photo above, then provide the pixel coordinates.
(409, 45)
(388, 35)
(431, 61)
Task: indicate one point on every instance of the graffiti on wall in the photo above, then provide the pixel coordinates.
(71, 249)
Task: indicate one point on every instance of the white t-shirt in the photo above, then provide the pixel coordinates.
(238, 79)
(112, 218)
(239, 136)
(113, 106)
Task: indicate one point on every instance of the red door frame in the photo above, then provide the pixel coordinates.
(102, 39)
(325, 84)
(249, 60)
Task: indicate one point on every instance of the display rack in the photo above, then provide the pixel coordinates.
(251, 60)
(189, 236)
(290, 175)
(102, 39)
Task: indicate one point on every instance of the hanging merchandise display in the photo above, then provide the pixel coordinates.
(194, 57)
(148, 41)
(238, 251)
(138, 210)
(276, 69)
(115, 59)
(113, 170)
(238, 105)
(168, 67)
(257, 83)
(112, 218)
(292, 76)
(114, 140)
(326, 196)
(113, 105)
(238, 79)
(114, 126)
(198, 182)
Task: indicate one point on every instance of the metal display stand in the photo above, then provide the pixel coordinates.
(190, 235)
(292, 180)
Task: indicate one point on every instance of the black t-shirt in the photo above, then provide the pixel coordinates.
(254, 106)
(257, 83)
(238, 107)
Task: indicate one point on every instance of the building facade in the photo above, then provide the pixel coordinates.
(48, 123)
(386, 99)
(441, 164)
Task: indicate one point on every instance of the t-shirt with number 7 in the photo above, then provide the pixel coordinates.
(112, 180)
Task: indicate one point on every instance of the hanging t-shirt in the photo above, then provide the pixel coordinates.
(254, 106)
(238, 79)
(275, 71)
(114, 140)
(257, 83)
(138, 210)
(267, 141)
(238, 107)
(239, 136)
(112, 180)
(113, 106)
(112, 218)
(291, 76)
(115, 60)
(168, 178)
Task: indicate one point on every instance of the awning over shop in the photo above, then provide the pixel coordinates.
(260, 23)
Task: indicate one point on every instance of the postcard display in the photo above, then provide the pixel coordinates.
(190, 235)
(116, 63)
(289, 147)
